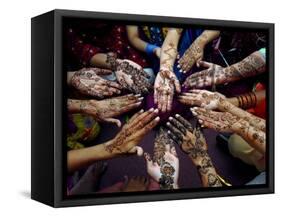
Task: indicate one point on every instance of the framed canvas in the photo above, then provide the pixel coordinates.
(133, 108)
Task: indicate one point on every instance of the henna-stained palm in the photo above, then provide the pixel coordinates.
(214, 74)
(164, 87)
(202, 98)
(89, 82)
(164, 167)
(133, 132)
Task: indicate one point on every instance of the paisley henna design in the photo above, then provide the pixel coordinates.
(88, 82)
(214, 74)
(165, 165)
(132, 77)
(194, 144)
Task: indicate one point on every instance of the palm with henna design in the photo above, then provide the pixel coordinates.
(214, 74)
(132, 133)
(219, 121)
(164, 167)
(202, 98)
(105, 110)
(164, 87)
(88, 81)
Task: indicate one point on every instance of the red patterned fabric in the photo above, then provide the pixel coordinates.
(84, 41)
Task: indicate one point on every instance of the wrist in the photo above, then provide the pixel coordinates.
(70, 77)
(198, 159)
(239, 127)
(89, 107)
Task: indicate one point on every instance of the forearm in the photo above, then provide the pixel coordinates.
(102, 60)
(82, 106)
(77, 159)
(206, 170)
(248, 100)
(169, 49)
(208, 36)
(253, 120)
(255, 137)
(133, 36)
(248, 67)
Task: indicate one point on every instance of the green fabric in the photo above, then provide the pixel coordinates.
(86, 129)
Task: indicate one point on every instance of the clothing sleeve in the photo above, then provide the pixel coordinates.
(78, 49)
(263, 52)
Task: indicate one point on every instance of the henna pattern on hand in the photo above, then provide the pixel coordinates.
(192, 142)
(211, 76)
(136, 80)
(88, 82)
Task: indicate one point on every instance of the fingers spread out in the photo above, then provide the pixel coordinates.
(184, 122)
(175, 131)
(178, 125)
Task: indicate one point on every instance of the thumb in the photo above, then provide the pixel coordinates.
(113, 120)
(198, 61)
(136, 150)
(205, 64)
(177, 85)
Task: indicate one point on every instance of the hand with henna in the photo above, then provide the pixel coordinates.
(105, 110)
(137, 183)
(164, 167)
(214, 74)
(219, 121)
(165, 85)
(202, 98)
(88, 81)
(193, 143)
(132, 133)
(129, 74)
(193, 55)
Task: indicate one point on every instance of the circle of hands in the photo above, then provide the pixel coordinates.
(164, 166)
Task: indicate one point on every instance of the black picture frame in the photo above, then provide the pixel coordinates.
(48, 100)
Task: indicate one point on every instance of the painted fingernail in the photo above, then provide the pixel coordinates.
(168, 123)
(137, 95)
(178, 66)
(169, 132)
(141, 98)
(200, 121)
(184, 71)
(170, 118)
(177, 115)
(142, 110)
(156, 110)
(157, 118)
(151, 109)
(180, 70)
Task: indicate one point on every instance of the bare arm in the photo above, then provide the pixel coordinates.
(248, 100)
(133, 36)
